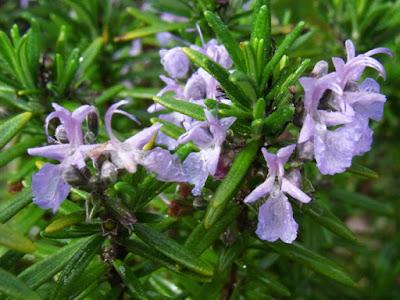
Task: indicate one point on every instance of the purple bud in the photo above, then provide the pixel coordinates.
(175, 62)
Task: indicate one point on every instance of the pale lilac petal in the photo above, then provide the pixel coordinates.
(294, 191)
(275, 220)
(334, 118)
(171, 86)
(307, 131)
(370, 85)
(379, 51)
(261, 191)
(367, 104)
(169, 142)
(195, 88)
(58, 152)
(272, 161)
(211, 157)
(143, 137)
(284, 153)
(166, 166)
(196, 172)
(199, 134)
(320, 69)
(350, 49)
(226, 123)
(48, 188)
(334, 149)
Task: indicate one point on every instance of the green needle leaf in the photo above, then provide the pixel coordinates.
(313, 261)
(283, 47)
(172, 249)
(184, 107)
(10, 127)
(40, 272)
(149, 30)
(14, 240)
(10, 208)
(129, 278)
(231, 183)
(226, 38)
(76, 265)
(236, 95)
(16, 288)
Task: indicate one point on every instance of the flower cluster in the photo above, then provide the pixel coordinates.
(51, 185)
(338, 109)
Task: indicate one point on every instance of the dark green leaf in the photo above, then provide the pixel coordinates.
(172, 249)
(76, 265)
(226, 38)
(222, 75)
(10, 127)
(10, 208)
(14, 287)
(231, 183)
(14, 240)
(131, 281)
(187, 108)
(312, 260)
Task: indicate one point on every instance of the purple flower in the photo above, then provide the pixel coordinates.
(48, 187)
(175, 62)
(164, 38)
(337, 100)
(209, 137)
(130, 153)
(275, 217)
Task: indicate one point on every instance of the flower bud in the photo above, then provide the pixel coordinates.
(175, 62)
(61, 134)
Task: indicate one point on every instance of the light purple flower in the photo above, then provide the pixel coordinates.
(175, 62)
(129, 154)
(275, 217)
(349, 106)
(48, 187)
(209, 137)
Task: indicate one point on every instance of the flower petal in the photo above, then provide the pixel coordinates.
(261, 191)
(48, 188)
(294, 191)
(275, 220)
(166, 166)
(196, 172)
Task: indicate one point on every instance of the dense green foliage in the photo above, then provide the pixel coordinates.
(77, 52)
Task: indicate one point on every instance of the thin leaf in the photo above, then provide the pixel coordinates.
(131, 281)
(76, 265)
(201, 238)
(10, 208)
(187, 108)
(226, 38)
(222, 75)
(313, 261)
(231, 183)
(149, 30)
(10, 127)
(157, 257)
(364, 202)
(12, 239)
(282, 49)
(40, 272)
(19, 149)
(172, 249)
(65, 221)
(14, 287)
